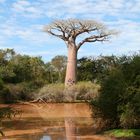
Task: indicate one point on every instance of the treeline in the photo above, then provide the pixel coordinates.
(22, 76)
(16, 68)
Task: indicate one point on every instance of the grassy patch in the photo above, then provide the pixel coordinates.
(78, 93)
(123, 132)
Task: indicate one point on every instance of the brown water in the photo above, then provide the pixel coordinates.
(51, 122)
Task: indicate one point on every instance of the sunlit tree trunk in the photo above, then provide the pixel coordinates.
(71, 71)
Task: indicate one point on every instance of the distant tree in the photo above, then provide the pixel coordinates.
(50, 72)
(59, 62)
(70, 31)
(6, 68)
(27, 68)
(96, 69)
(85, 69)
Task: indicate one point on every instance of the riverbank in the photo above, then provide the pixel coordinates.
(123, 134)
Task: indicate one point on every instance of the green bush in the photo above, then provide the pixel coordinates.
(20, 92)
(123, 133)
(5, 96)
(119, 100)
(130, 108)
(106, 104)
(1, 83)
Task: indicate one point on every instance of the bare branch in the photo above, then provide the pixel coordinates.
(72, 28)
(56, 29)
(50, 32)
(101, 37)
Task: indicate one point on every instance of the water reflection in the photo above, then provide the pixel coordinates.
(46, 138)
(50, 122)
(70, 126)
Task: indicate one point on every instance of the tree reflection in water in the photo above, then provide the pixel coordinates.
(50, 121)
(8, 113)
(68, 112)
(70, 126)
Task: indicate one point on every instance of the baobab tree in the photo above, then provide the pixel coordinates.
(71, 31)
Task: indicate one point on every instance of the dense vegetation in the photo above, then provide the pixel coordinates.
(23, 77)
(118, 104)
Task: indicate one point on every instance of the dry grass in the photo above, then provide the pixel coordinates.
(58, 93)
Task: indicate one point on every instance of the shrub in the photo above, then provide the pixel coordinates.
(86, 90)
(1, 83)
(5, 96)
(119, 100)
(125, 133)
(20, 92)
(130, 108)
(106, 104)
(51, 93)
(58, 93)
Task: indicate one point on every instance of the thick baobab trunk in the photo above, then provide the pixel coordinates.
(71, 71)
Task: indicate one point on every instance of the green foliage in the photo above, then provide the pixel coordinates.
(5, 96)
(59, 64)
(96, 69)
(123, 132)
(6, 69)
(55, 70)
(109, 98)
(20, 73)
(119, 99)
(8, 113)
(85, 69)
(1, 83)
(27, 68)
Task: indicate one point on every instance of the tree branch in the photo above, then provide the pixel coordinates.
(70, 29)
(93, 38)
(60, 36)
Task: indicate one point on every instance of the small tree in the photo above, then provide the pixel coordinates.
(70, 31)
(59, 62)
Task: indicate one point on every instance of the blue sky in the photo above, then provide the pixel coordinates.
(22, 21)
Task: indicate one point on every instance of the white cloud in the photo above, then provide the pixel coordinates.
(26, 9)
(73, 8)
(122, 15)
(2, 1)
(33, 33)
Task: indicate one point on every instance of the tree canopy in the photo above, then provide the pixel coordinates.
(72, 28)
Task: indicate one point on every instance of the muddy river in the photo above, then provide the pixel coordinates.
(51, 122)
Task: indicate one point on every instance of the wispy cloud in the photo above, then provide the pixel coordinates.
(2, 1)
(24, 19)
(70, 8)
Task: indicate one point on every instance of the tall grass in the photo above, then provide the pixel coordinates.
(58, 93)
